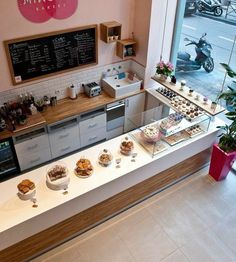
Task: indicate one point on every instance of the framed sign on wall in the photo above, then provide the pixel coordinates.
(39, 56)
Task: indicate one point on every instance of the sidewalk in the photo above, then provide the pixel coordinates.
(231, 18)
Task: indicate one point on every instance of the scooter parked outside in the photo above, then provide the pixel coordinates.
(203, 56)
(212, 6)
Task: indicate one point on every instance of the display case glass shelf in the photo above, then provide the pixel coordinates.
(155, 130)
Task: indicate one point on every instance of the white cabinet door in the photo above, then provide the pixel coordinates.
(33, 152)
(134, 106)
(64, 140)
(93, 136)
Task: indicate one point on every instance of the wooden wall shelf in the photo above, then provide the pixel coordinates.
(126, 48)
(110, 31)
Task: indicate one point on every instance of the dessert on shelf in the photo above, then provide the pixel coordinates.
(26, 189)
(186, 108)
(151, 134)
(83, 168)
(126, 146)
(170, 122)
(194, 130)
(105, 158)
(57, 177)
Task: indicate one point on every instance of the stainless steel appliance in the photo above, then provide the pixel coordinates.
(115, 118)
(92, 89)
(8, 160)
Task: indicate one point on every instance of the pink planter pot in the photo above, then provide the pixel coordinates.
(221, 163)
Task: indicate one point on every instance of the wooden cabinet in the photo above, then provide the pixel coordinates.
(110, 31)
(32, 148)
(126, 48)
(134, 106)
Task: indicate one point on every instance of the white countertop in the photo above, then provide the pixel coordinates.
(14, 211)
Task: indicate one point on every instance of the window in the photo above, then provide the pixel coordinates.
(205, 40)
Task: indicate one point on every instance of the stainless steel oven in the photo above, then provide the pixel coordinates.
(8, 160)
(115, 118)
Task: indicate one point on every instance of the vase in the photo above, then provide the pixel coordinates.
(221, 163)
(162, 77)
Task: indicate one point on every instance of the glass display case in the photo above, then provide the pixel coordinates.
(159, 129)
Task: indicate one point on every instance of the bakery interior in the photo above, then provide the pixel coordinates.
(94, 143)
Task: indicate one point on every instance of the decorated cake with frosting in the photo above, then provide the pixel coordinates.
(151, 133)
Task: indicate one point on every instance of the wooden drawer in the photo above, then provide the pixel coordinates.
(32, 145)
(33, 159)
(93, 137)
(64, 136)
(92, 124)
(64, 148)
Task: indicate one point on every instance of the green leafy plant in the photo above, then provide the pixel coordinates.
(227, 141)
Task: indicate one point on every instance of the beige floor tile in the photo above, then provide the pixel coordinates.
(104, 246)
(144, 237)
(207, 247)
(226, 230)
(177, 256)
(177, 218)
(69, 255)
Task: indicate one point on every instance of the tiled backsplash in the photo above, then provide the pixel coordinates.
(58, 86)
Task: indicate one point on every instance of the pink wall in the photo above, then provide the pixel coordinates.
(141, 28)
(14, 25)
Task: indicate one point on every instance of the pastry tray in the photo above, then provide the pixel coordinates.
(176, 138)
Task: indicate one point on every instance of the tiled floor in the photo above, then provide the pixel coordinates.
(193, 220)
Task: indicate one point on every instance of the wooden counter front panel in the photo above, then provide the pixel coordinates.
(54, 235)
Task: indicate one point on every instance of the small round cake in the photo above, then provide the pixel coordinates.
(57, 177)
(26, 189)
(151, 134)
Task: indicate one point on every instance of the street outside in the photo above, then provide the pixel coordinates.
(221, 36)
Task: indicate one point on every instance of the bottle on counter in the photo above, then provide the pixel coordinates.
(33, 109)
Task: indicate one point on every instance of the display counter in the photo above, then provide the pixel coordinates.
(22, 219)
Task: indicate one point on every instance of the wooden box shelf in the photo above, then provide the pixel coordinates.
(110, 31)
(126, 48)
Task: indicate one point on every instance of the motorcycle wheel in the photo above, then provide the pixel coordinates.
(208, 65)
(218, 11)
(199, 7)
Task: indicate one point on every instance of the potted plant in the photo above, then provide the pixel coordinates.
(224, 153)
(164, 69)
(230, 99)
(39, 103)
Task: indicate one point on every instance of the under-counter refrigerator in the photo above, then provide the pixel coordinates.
(8, 160)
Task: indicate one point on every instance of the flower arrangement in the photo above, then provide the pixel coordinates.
(163, 68)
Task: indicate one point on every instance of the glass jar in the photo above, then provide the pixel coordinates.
(105, 158)
(126, 146)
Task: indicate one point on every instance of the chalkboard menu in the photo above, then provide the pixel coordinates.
(38, 56)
